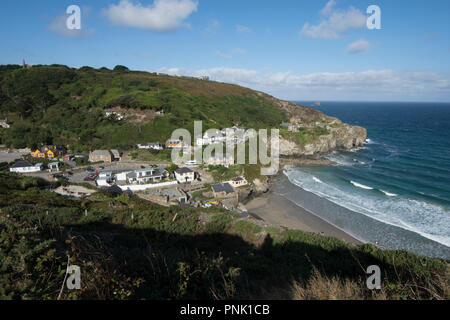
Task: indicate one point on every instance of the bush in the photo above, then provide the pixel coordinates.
(120, 68)
(246, 228)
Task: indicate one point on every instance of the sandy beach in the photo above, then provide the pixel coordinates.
(279, 211)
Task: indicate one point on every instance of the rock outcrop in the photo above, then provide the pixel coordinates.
(337, 135)
(346, 137)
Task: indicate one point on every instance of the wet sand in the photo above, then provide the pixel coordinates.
(279, 211)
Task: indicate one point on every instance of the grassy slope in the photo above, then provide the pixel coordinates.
(128, 248)
(56, 104)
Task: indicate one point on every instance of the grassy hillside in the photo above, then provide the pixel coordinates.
(128, 248)
(60, 105)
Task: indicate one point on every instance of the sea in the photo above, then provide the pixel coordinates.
(395, 191)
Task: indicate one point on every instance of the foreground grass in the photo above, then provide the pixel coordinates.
(128, 248)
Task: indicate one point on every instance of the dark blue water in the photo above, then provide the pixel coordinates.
(402, 177)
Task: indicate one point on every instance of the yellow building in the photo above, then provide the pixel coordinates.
(47, 152)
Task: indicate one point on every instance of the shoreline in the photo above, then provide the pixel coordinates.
(279, 211)
(276, 208)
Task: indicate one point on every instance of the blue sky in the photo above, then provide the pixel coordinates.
(305, 50)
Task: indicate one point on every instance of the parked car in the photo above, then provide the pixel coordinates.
(90, 178)
(101, 167)
(60, 177)
(90, 169)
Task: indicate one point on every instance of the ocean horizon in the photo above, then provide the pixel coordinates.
(394, 192)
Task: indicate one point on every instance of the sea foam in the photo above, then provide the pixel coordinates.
(428, 220)
(359, 185)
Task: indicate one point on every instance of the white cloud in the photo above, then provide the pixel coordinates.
(223, 55)
(161, 16)
(327, 10)
(236, 51)
(366, 85)
(212, 26)
(335, 22)
(59, 27)
(239, 51)
(242, 29)
(358, 46)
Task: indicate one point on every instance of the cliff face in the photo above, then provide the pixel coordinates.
(311, 132)
(344, 138)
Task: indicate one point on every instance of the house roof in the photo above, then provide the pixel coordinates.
(218, 187)
(145, 170)
(183, 170)
(226, 187)
(22, 164)
(101, 153)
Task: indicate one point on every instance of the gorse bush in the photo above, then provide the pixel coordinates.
(61, 105)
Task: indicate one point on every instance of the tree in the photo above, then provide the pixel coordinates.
(120, 68)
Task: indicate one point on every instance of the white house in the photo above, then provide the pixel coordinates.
(122, 176)
(151, 146)
(220, 160)
(23, 166)
(145, 176)
(142, 146)
(156, 146)
(104, 182)
(234, 134)
(105, 175)
(184, 175)
(238, 182)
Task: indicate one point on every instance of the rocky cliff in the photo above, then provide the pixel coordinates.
(346, 137)
(310, 132)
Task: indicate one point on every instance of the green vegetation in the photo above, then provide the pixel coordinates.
(221, 173)
(198, 195)
(61, 105)
(220, 222)
(305, 135)
(273, 231)
(152, 155)
(246, 229)
(129, 248)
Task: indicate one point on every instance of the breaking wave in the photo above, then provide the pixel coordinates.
(429, 220)
(359, 185)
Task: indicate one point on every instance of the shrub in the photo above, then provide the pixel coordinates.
(246, 228)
